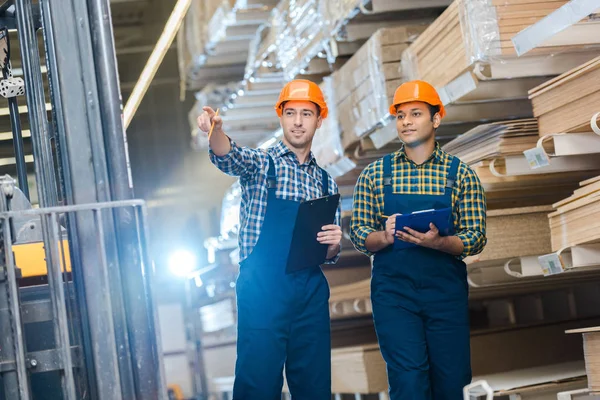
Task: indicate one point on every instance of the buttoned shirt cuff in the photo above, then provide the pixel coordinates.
(468, 244)
(360, 239)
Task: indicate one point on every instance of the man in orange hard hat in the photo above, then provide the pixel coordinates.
(419, 285)
(283, 319)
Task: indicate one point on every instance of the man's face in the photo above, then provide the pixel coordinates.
(414, 123)
(299, 122)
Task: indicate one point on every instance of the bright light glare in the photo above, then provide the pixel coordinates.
(182, 262)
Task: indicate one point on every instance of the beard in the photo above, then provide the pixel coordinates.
(419, 140)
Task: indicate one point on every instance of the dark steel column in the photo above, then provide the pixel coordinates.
(36, 104)
(83, 161)
(140, 311)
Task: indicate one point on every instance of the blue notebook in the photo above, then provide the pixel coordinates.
(420, 220)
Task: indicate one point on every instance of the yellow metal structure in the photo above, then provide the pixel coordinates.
(31, 258)
(175, 393)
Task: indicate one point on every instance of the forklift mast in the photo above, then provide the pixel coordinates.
(87, 328)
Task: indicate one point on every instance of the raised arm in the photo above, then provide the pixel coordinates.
(225, 154)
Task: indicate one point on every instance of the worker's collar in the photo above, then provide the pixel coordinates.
(280, 150)
(436, 156)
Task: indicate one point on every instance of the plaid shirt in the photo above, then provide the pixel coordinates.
(295, 181)
(468, 198)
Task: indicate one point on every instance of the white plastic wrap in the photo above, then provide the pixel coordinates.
(327, 143)
(468, 36)
(479, 24)
(365, 84)
(467, 32)
(300, 30)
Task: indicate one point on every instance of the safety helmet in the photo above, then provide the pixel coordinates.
(302, 90)
(417, 91)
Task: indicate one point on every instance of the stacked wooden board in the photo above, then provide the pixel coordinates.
(473, 31)
(490, 148)
(359, 369)
(516, 232)
(575, 220)
(591, 351)
(494, 140)
(365, 84)
(350, 300)
(526, 190)
(568, 102)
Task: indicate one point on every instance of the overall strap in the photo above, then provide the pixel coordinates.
(324, 181)
(451, 177)
(271, 175)
(387, 183)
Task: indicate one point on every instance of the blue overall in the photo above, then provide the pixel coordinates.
(283, 319)
(420, 307)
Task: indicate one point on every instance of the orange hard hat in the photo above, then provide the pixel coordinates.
(417, 91)
(302, 90)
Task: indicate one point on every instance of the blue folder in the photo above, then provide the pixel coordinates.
(420, 220)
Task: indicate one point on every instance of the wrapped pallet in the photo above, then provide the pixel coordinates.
(298, 31)
(327, 143)
(471, 40)
(366, 83)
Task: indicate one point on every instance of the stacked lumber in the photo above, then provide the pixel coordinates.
(217, 33)
(365, 84)
(359, 369)
(516, 232)
(495, 152)
(568, 102)
(474, 31)
(350, 300)
(575, 219)
(493, 140)
(526, 190)
(591, 352)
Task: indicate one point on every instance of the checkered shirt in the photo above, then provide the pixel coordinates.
(295, 181)
(468, 197)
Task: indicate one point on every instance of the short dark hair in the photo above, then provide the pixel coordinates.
(316, 105)
(433, 110)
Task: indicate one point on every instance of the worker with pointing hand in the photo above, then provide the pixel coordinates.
(419, 289)
(283, 318)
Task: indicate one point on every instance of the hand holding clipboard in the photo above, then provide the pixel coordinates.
(411, 229)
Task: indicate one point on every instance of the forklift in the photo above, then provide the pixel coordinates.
(77, 314)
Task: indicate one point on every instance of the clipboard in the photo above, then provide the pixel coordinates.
(420, 220)
(305, 250)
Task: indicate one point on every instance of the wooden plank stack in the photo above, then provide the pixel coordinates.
(568, 102)
(359, 369)
(575, 220)
(591, 352)
(526, 190)
(365, 84)
(494, 140)
(471, 31)
(516, 232)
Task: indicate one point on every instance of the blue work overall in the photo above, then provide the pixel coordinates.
(420, 307)
(283, 319)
